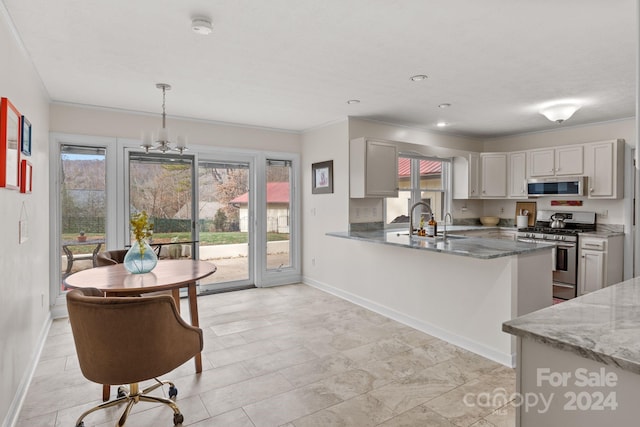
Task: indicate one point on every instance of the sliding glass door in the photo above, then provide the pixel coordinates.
(225, 226)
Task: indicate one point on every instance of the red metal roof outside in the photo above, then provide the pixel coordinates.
(277, 192)
(427, 167)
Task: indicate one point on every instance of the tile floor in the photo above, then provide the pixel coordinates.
(293, 356)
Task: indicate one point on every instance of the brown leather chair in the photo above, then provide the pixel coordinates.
(126, 340)
(110, 257)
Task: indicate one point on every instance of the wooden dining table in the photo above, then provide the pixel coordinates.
(115, 280)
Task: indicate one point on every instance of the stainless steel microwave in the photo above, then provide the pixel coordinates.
(558, 186)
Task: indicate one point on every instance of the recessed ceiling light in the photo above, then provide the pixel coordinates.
(445, 105)
(353, 101)
(442, 124)
(201, 26)
(419, 77)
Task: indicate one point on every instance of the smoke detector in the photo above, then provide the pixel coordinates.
(201, 26)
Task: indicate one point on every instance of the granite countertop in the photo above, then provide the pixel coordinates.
(474, 247)
(603, 325)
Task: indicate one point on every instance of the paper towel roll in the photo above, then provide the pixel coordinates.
(522, 221)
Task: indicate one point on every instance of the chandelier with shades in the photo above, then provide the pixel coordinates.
(162, 142)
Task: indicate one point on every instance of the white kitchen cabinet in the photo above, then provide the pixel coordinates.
(599, 263)
(493, 167)
(603, 164)
(561, 161)
(517, 175)
(466, 176)
(373, 168)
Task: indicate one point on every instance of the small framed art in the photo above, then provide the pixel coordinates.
(9, 145)
(26, 137)
(322, 177)
(26, 177)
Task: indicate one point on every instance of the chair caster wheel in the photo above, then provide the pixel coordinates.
(81, 424)
(177, 419)
(173, 392)
(121, 392)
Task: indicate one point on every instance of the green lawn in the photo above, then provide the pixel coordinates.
(206, 238)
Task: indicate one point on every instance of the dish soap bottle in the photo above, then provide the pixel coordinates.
(432, 227)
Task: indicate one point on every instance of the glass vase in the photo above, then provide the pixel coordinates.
(139, 259)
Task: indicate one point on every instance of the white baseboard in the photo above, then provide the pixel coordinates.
(463, 342)
(13, 413)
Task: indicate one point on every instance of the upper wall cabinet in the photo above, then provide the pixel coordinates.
(517, 175)
(556, 161)
(493, 168)
(603, 165)
(373, 168)
(466, 176)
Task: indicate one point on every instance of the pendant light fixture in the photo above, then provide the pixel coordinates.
(163, 144)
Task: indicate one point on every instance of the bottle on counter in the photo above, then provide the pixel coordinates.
(432, 227)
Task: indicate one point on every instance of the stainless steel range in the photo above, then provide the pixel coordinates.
(561, 228)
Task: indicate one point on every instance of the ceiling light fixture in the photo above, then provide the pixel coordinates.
(201, 26)
(442, 124)
(559, 112)
(418, 77)
(444, 105)
(162, 141)
(353, 101)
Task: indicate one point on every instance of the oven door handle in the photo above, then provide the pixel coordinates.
(554, 258)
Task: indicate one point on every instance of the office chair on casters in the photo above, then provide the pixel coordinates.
(126, 340)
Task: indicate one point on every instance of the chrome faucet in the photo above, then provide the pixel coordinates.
(444, 233)
(411, 214)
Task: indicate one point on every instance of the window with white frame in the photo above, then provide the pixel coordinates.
(420, 179)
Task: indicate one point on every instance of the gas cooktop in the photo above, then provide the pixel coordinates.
(549, 230)
(574, 223)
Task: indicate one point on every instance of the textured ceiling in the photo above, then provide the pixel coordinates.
(293, 64)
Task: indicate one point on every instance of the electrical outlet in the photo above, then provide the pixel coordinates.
(603, 213)
(313, 262)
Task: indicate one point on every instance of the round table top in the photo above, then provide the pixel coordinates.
(168, 274)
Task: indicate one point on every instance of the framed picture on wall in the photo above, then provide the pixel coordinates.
(26, 177)
(322, 177)
(9, 145)
(26, 137)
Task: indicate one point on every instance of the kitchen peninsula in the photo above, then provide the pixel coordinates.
(460, 290)
(583, 358)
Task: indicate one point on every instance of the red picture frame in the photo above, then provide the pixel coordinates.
(26, 176)
(10, 148)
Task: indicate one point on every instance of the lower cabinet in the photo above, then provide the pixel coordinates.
(599, 263)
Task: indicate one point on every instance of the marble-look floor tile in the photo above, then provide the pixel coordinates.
(378, 350)
(407, 393)
(315, 370)
(503, 417)
(298, 402)
(288, 356)
(361, 411)
(420, 416)
(234, 396)
(235, 418)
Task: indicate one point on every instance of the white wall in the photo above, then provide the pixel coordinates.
(24, 268)
(78, 120)
(322, 213)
